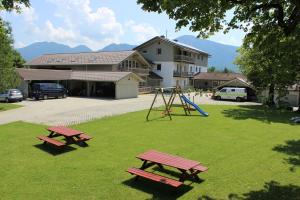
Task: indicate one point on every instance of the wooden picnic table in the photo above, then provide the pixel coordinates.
(188, 168)
(71, 136)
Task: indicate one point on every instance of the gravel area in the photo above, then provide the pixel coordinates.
(74, 110)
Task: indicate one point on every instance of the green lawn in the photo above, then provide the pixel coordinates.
(8, 106)
(252, 154)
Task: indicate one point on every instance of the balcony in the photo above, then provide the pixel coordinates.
(139, 71)
(182, 58)
(183, 74)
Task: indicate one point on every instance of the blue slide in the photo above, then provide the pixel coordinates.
(194, 105)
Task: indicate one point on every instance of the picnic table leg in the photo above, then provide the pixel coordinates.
(194, 174)
(184, 175)
(160, 166)
(51, 134)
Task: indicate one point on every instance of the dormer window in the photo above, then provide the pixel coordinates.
(145, 51)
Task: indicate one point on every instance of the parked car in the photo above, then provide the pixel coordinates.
(231, 93)
(48, 90)
(11, 95)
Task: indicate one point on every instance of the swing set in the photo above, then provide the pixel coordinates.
(168, 105)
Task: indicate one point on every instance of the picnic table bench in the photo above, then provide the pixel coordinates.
(189, 168)
(71, 136)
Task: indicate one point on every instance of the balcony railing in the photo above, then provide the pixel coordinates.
(140, 71)
(183, 74)
(182, 58)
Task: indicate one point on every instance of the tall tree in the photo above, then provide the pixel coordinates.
(10, 59)
(271, 61)
(10, 5)
(208, 17)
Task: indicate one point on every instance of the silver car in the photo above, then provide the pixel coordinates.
(11, 95)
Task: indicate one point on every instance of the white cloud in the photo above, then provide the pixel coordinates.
(142, 31)
(58, 33)
(75, 22)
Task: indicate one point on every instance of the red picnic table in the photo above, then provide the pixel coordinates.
(188, 168)
(71, 136)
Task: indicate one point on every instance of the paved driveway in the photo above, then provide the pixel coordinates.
(74, 110)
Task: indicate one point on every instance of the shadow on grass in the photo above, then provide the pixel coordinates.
(271, 191)
(157, 190)
(291, 148)
(54, 151)
(261, 113)
(174, 173)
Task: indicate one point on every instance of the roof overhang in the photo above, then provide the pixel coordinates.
(55, 75)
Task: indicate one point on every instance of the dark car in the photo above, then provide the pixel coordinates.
(48, 90)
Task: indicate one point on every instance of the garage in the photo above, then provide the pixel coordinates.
(116, 85)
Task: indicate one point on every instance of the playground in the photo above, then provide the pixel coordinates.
(251, 152)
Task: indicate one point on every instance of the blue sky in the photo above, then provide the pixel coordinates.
(96, 23)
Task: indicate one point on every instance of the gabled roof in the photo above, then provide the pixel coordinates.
(218, 76)
(172, 42)
(236, 82)
(89, 58)
(101, 76)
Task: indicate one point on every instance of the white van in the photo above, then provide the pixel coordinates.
(231, 93)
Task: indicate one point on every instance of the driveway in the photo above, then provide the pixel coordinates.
(74, 110)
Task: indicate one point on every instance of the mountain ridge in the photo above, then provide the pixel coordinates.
(222, 55)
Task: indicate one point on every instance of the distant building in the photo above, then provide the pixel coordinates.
(96, 74)
(210, 80)
(175, 62)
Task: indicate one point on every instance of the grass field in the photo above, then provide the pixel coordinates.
(8, 106)
(252, 154)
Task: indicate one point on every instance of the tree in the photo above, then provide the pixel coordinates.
(211, 69)
(271, 61)
(10, 5)
(208, 17)
(10, 59)
(226, 70)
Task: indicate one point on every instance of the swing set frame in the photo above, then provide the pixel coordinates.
(168, 104)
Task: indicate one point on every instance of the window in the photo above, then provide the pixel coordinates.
(198, 56)
(145, 51)
(232, 90)
(191, 69)
(201, 57)
(223, 90)
(158, 67)
(159, 51)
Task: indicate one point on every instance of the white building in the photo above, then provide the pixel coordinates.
(175, 62)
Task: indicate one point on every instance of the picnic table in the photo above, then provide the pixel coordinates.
(71, 136)
(189, 169)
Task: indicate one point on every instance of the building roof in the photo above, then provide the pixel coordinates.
(153, 75)
(236, 82)
(89, 58)
(174, 43)
(100, 76)
(218, 76)
(43, 74)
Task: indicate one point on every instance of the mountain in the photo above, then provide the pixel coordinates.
(118, 47)
(39, 48)
(222, 55)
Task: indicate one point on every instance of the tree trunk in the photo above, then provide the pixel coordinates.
(270, 101)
